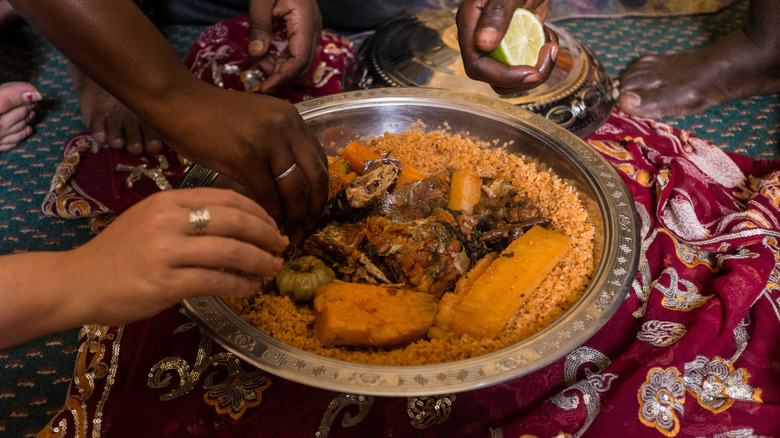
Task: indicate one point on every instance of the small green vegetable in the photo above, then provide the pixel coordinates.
(300, 278)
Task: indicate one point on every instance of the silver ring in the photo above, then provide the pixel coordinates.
(200, 217)
(286, 173)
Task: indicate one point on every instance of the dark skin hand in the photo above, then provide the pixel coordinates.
(481, 26)
(248, 137)
(302, 23)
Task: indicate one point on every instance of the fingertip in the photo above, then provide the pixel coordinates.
(487, 39)
(256, 47)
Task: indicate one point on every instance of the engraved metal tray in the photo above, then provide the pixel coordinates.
(337, 119)
(420, 49)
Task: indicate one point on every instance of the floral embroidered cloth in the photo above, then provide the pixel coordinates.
(691, 352)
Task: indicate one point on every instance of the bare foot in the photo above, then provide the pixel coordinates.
(17, 101)
(743, 63)
(110, 121)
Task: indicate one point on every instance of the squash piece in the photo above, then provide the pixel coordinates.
(465, 190)
(358, 154)
(339, 175)
(449, 302)
(367, 315)
(507, 283)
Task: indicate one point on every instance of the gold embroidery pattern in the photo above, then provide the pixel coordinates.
(96, 367)
(661, 397)
(429, 411)
(341, 403)
(239, 391)
(594, 383)
(681, 294)
(661, 333)
(716, 384)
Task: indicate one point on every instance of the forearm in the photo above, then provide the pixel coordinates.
(37, 297)
(120, 49)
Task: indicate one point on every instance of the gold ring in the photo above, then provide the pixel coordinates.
(286, 173)
(200, 217)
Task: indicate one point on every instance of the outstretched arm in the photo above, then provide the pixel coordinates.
(248, 137)
(146, 261)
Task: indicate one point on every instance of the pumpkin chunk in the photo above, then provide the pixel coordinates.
(506, 284)
(465, 190)
(367, 315)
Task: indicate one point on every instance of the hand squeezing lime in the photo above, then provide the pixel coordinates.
(522, 41)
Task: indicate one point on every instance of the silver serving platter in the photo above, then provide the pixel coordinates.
(420, 49)
(337, 119)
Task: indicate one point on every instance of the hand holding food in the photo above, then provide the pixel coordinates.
(484, 24)
(171, 246)
(302, 24)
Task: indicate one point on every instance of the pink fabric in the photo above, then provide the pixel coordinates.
(691, 352)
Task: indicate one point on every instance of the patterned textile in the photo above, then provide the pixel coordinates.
(79, 187)
(690, 353)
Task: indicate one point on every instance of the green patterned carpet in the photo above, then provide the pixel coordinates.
(34, 377)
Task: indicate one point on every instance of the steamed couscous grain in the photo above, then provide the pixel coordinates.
(433, 152)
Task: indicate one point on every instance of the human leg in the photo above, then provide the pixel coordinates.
(17, 100)
(743, 63)
(104, 116)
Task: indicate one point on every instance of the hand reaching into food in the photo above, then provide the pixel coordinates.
(170, 246)
(259, 141)
(482, 25)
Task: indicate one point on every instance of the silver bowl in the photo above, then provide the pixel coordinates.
(340, 118)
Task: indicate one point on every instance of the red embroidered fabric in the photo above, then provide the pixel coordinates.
(691, 352)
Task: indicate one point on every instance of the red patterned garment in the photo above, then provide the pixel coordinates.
(691, 352)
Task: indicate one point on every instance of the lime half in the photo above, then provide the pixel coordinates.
(522, 41)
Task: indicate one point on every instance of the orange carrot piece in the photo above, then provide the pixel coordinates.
(358, 154)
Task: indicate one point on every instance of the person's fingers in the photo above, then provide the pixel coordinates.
(232, 223)
(314, 164)
(217, 252)
(493, 23)
(303, 24)
(260, 26)
(203, 282)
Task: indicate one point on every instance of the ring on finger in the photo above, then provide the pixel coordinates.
(286, 173)
(199, 218)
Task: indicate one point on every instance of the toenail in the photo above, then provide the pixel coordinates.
(32, 96)
(631, 99)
